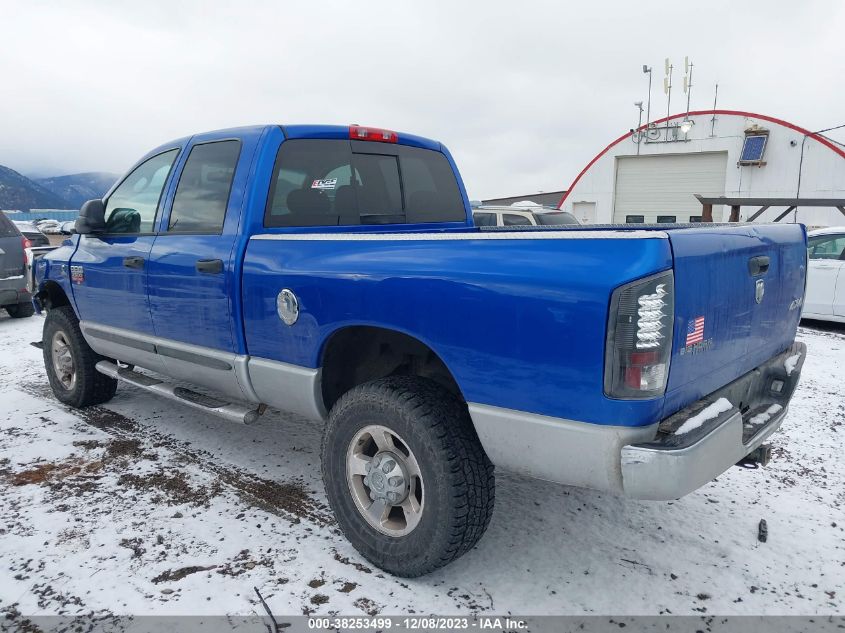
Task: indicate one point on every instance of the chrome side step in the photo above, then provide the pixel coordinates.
(233, 412)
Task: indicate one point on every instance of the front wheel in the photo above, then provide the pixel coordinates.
(70, 362)
(405, 474)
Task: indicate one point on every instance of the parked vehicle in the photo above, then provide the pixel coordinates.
(520, 216)
(36, 245)
(336, 272)
(49, 226)
(15, 297)
(31, 232)
(825, 298)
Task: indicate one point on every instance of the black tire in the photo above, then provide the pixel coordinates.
(90, 387)
(459, 488)
(21, 310)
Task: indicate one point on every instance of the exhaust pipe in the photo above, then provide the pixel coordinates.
(760, 456)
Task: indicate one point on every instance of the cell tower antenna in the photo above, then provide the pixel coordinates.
(688, 66)
(667, 88)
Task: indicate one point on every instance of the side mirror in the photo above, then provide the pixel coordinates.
(92, 218)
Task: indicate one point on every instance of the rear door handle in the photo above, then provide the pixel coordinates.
(758, 265)
(133, 262)
(213, 266)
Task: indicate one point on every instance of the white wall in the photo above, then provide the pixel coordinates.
(822, 171)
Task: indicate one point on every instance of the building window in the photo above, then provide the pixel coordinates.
(666, 219)
(635, 219)
(695, 218)
(754, 147)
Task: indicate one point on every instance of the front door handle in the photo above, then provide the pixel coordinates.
(212, 266)
(758, 265)
(133, 262)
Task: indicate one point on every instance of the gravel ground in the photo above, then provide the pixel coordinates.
(145, 507)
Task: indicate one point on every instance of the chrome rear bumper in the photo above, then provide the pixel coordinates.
(681, 459)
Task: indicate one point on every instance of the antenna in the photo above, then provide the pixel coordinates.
(688, 66)
(713, 120)
(667, 88)
(647, 71)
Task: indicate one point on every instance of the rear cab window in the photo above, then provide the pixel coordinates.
(328, 182)
(7, 227)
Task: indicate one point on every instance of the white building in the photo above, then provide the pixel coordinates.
(653, 174)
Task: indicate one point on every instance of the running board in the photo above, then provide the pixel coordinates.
(228, 410)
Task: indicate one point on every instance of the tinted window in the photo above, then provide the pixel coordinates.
(555, 218)
(666, 219)
(377, 188)
(133, 205)
(510, 219)
(7, 229)
(431, 190)
(203, 191)
(484, 219)
(324, 182)
(635, 219)
(695, 218)
(826, 246)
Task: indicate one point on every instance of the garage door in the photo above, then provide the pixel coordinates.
(661, 188)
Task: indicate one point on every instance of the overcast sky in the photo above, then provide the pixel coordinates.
(523, 93)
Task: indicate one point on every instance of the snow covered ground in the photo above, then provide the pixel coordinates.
(145, 507)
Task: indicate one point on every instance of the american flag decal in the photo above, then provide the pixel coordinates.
(695, 330)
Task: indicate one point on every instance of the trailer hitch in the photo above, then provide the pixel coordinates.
(760, 456)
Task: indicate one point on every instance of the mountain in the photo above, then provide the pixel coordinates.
(22, 194)
(75, 189)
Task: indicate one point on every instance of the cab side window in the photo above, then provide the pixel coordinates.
(133, 206)
(202, 194)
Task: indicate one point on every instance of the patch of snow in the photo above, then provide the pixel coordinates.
(525, 204)
(790, 363)
(146, 507)
(762, 418)
(708, 413)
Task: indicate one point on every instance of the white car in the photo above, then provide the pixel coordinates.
(490, 215)
(825, 296)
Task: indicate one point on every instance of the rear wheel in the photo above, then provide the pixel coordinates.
(406, 476)
(21, 310)
(70, 362)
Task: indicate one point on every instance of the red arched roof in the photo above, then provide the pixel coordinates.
(750, 115)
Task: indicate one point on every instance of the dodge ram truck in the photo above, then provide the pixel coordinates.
(335, 272)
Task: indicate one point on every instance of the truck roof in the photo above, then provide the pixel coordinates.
(296, 131)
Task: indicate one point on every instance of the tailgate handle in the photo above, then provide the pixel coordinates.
(758, 265)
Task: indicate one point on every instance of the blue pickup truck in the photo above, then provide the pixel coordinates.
(336, 272)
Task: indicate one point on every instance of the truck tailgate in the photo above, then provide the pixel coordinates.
(738, 292)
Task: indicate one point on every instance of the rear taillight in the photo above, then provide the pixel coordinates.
(639, 338)
(360, 133)
(26, 244)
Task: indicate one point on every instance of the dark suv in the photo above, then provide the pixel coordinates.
(14, 296)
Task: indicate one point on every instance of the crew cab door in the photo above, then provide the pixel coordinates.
(109, 270)
(825, 273)
(191, 276)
